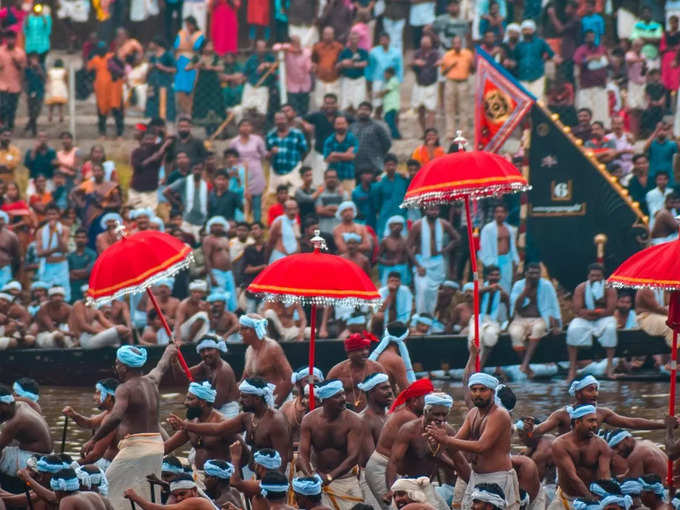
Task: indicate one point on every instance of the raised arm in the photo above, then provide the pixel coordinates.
(220, 428)
(157, 373)
(626, 422)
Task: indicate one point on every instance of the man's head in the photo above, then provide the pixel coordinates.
(396, 225)
(217, 226)
(197, 290)
(640, 164)
(621, 441)
(183, 487)
(330, 177)
(597, 130)
(393, 281)
(217, 474)
(437, 408)
(184, 127)
(423, 323)
(197, 169)
(489, 38)
(282, 193)
(378, 389)
(672, 201)
(585, 390)
(332, 396)
(589, 38)
(663, 131)
(183, 162)
(291, 208)
(280, 121)
(307, 491)
(330, 101)
(252, 327)
(256, 231)
(590, 7)
(199, 399)
(255, 394)
(357, 347)
(340, 125)
(218, 303)
(584, 420)
(56, 295)
(129, 361)
(584, 116)
(264, 461)
(105, 393)
(242, 230)
(624, 302)
(410, 490)
(412, 166)
(453, 8)
(171, 467)
(500, 213)
(661, 180)
(595, 272)
(260, 47)
(290, 112)
(364, 110)
(209, 348)
(482, 388)
(274, 486)
(64, 483)
(10, 39)
(617, 125)
(221, 180)
(432, 212)
(390, 163)
(488, 496)
(307, 176)
(328, 34)
(528, 28)
(533, 272)
(5, 138)
(456, 43)
(245, 127)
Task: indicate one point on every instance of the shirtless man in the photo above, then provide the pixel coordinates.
(167, 303)
(66, 489)
(485, 435)
(294, 410)
(586, 391)
(392, 354)
(93, 330)
(135, 415)
(355, 369)
(274, 492)
(624, 313)
(154, 333)
(497, 246)
(183, 491)
(219, 373)
(284, 233)
(24, 432)
(346, 213)
(352, 251)
(191, 320)
(463, 311)
(665, 225)
(307, 490)
(217, 475)
(580, 456)
(109, 223)
(10, 256)
(415, 455)
(444, 312)
(265, 357)
(643, 456)
(265, 427)
(332, 435)
(52, 320)
(393, 252)
(406, 407)
(105, 449)
(653, 493)
(651, 307)
(27, 390)
(222, 322)
(289, 321)
(199, 402)
(529, 481)
(14, 324)
(218, 259)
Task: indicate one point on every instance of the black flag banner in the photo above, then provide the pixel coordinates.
(572, 200)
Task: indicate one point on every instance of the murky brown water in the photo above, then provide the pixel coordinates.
(640, 399)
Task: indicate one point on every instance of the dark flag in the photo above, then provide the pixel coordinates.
(573, 199)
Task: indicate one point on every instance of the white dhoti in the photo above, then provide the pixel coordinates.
(489, 331)
(292, 179)
(352, 92)
(13, 458)
(343, 493)
(427, 287)
(375, 477)
(458, 493)
(562, 501)
(536, 87)
(308, 34)
(367, 493)
(654, 324)
(507, 271)
(230, 409)
(507, 480)
(595, 99)
(108, 337)
(103, 464)
(255, 98)
(321, 89)
(539, 502)
(580, 332)
(139, 455)
(185, 328)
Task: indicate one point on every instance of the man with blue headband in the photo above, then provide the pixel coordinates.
(653, 494)
(184, 491)
(222, 322)
(294, 410)
(486, 434)
(353, 252)
(135, 415)
(105, 449)
(581, 457)
(642, 456)
(307, 490)
(191, 319)
(27, 390)
(217, 476)
(586, 391)
(265, 357)
(218, 372)
(24, 433)
(392, 353)
(218, 259)
(332, 434)
(66, 487)
(393, 252)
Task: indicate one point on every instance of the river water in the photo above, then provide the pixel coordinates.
(638, 399)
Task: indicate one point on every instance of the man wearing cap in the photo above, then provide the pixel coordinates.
(397, 302)
(191, 320)
(581, 457)
(265, 357)
(586, 391)
(222, 322)
(273, 492)
(218, 260)
(184, 492)
(410, 490)
(414, 455)
(108, 223)
(355, 368)
(288, 320)
(52, 320)
(24, 433)
(346, 213)
(218, 372)
(294, 410)
(284, 233)
(485, 434)
(135, 415)
(10, 256)
(406, 407)
(642, 456)
(106, 448)
(393, 251)
(92, 330)
(217, 475)
(332, 434)
(392, 354)
(307, 490)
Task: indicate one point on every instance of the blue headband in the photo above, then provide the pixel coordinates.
(136, 213)
(351, 236)
(134, 357)
(110, 216)
(356, 320)
(6, 399)
(417, 318)
(617, 438)
(598, 490)
(403, 352)
(347, 204)
(166, 467)
(329, 389)
(19, 390)
(217, 220)
(103, 392)
(438, 399)
(657, 487)
(451, 284)
(519, 425)
(259, 325)
(211, 343)
(204, 391)
(579, 412)
(266, 488)
(676, 502)
(168, 282)
(303, 373)
(47, 467)
(212, 469)
(622, 501)
(4, 216)
(90, 480)
(308, 486)
(65, 484)
(267, 461)
(484, 379)
(40, 285)
(582, 505)
(579, 384)
(468, 286)
(372, 381)
(631, 487)
(267, 392)
(218, 296)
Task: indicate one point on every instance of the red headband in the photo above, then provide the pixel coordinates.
(357, 341)
(417, 389)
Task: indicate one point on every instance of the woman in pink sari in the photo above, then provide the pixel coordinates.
(224, 26)
(670, 63)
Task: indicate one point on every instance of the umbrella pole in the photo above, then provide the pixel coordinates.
(312, 336)
(475, 279)
(671, 399)
(180, 357)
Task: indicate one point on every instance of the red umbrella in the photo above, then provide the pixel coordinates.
(133, 265)
(315, 279)
(465, 176)
(657, 267)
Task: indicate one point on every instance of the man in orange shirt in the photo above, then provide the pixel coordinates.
(324, 57)
(12, 64)
(457, 65)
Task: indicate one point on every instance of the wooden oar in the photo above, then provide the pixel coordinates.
(63, 434)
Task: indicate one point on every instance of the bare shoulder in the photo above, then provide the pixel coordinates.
(500, 415)
(352, 418)
(310, 418)
(375, 366)
(410, 427)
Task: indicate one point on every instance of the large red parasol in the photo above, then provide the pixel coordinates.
(657, 267)
(465, 176)
(315, 279)
(133, 265)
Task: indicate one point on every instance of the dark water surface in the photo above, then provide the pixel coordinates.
(638, 399)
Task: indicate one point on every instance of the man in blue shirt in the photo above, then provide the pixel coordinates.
(286, 148)
(592, 21)
(380, 58)
(531, 53)
(339, 151)
(660, 151)
(352, 63)
(389, 193)
(362, 196)
(256, 93)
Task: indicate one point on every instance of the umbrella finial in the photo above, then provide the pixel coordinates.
(318, 241)
(460, 141)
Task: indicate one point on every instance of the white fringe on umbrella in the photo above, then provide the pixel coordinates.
(442, 197)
